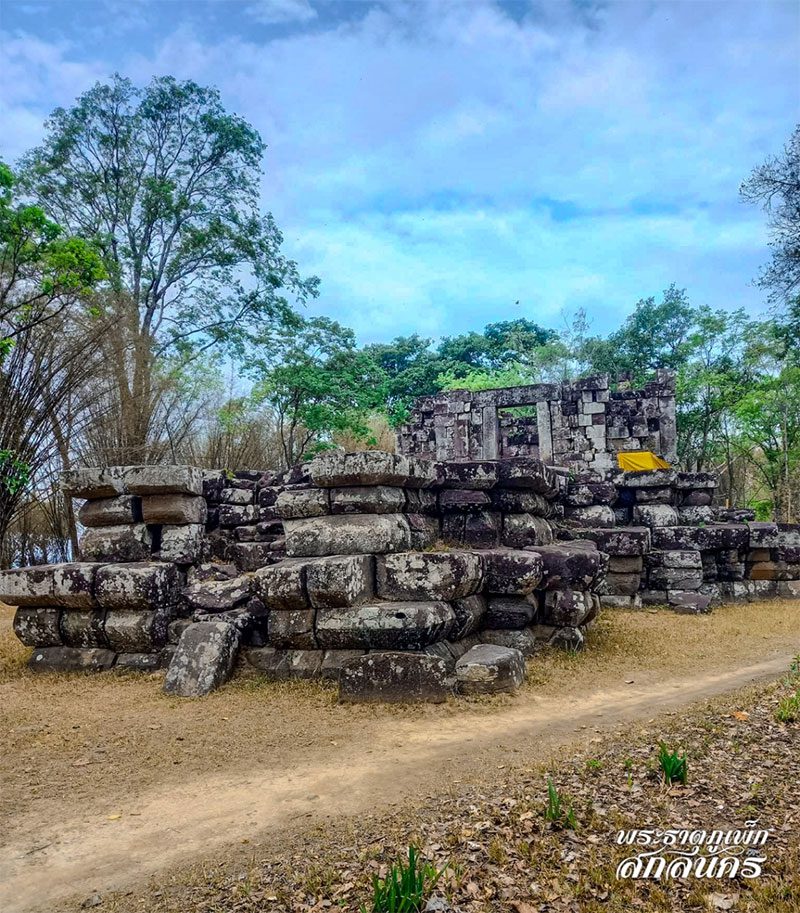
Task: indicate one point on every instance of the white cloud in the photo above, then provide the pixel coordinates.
(434, 162)
(274, 12)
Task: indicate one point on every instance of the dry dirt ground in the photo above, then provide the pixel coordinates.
(105, 781)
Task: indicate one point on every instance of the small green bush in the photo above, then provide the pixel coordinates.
(559, 811)
(788, 710)
(405, 888)
(674, 767)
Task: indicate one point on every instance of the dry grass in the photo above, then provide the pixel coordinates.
(504, 857)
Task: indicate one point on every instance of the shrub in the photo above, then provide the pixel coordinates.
(559, 811)
(788, 710)
(405, 887)
(674, 767)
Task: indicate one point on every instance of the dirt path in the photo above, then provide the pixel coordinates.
(377, 766)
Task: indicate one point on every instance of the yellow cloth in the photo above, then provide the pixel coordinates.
(640, 460)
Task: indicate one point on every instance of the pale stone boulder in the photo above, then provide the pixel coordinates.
(282, 585)
(71, 659)
(177, 510)
(429, 575)
(38, 627)
(114, 511)
(655, 515)
(595, 516)
(158, 480)
(385, 626)
(292, 629)
(488, 669)
(358, 499)
(218, 595)
(304, 502)
(68, 585)
(137, 586)
(91, 483)
(116, 543)
(136, 632)
(341, 580)
(347, 535)
(373, 467)
(182, 544)
(394, 677)
(203, 659)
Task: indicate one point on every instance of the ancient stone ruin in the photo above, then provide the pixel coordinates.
(405, 576)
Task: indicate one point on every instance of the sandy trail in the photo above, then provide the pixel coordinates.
(378, 766)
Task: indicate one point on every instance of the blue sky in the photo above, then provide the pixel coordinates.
(441, 165)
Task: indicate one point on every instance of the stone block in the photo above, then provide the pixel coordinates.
(424, 531)
(333, 661)
(429, 575)
(182, 544)
(679, 558)
(625, 564)
(137, 586)
(524, 640)
(302, 503)
(115, 511)
(203, 659)
(92, 482)
(218, 595)
(674, 578)
(528, 473)
(569, 566)
(136, 632)
(237, 496)
(595, 516)
(570, 639)
(621, 602)
(385, 626)
(520, 530)
(691, 516)
(696, 499)
(176, 510)
(283, 585)
(469, 614)
(83, 628)
(372, 467)
(651, 478)
(292, 630)
(71, 659)
(512, 573)
(620, 584)
(488, 669)
(670, 538)
(116, 543)
(520, 501)
(466, 500)
(251, 556)
(231, 515)
(160, 480)
(376, 499)
(67, 585)
(655, 515)
(139, 662)
(38, 627)
(481, 529)
(566, 607)
(347, 535)
(689, 603)
(620, 542)
(476, 475)
(394, 677)
(339, 581)
(510, 612)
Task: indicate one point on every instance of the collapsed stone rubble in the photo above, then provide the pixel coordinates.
(397, 576)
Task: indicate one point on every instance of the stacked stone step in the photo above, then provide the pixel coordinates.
(589, 500)
(627, 548)
(541, 595)
(772, 560)
(694, 498)
(491, 503)
(244, 527)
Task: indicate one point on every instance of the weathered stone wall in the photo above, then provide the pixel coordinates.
(582, 424)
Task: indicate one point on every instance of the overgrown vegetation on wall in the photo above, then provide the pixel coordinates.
(147, 314)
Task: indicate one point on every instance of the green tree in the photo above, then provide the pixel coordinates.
(412, 370)
(42, 268)
(775, 185)
(322, 385)
(167, 183)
